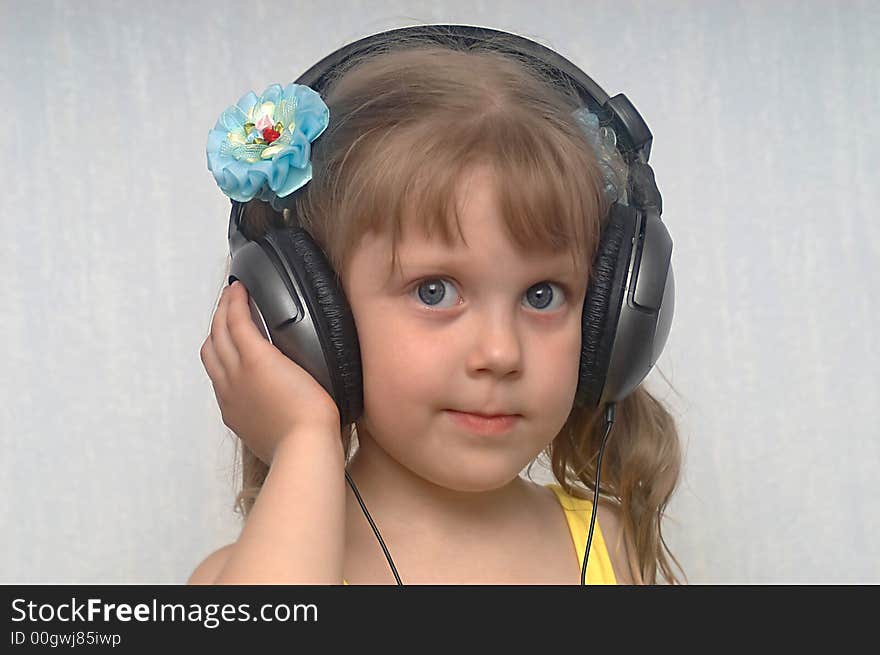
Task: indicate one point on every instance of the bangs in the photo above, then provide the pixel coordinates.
(547, 184)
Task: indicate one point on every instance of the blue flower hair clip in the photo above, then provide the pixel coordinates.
(604, 142)
(261, 146)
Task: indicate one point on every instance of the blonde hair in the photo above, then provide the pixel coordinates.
(406, 122)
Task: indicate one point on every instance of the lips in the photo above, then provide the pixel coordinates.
(494, 414)
(482, 423)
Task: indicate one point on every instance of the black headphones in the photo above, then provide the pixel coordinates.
(299, 305)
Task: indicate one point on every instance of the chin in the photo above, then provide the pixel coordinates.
(472, 478)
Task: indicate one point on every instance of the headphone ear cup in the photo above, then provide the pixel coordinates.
(602, 304)
(331, 315)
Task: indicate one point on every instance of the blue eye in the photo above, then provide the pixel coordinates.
(542, 295)
(432, 291)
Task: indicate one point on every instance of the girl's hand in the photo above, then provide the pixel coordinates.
(264, 396)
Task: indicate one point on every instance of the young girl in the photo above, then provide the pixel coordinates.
(460, 204)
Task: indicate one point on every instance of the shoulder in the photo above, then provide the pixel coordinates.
(609, 517)
(207, 571)
(610, 522)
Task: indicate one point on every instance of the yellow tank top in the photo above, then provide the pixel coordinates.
(577, 513)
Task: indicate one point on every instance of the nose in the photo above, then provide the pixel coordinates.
(497, 345)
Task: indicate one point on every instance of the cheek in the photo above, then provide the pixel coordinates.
(399, 371)
(558, 366)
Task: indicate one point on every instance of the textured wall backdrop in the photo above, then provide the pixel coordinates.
(115, 464)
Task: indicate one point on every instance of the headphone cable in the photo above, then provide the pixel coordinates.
(373, 525)
(609, 421)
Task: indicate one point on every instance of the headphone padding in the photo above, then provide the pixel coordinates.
(331, 315)
(602, 304)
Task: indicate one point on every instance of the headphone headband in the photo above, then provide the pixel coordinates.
(634, 137)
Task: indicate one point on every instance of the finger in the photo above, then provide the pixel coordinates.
(211, 362)
(220, 337)
(245, 335)
(215, 372)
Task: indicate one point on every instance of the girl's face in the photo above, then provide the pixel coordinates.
(483, 328)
